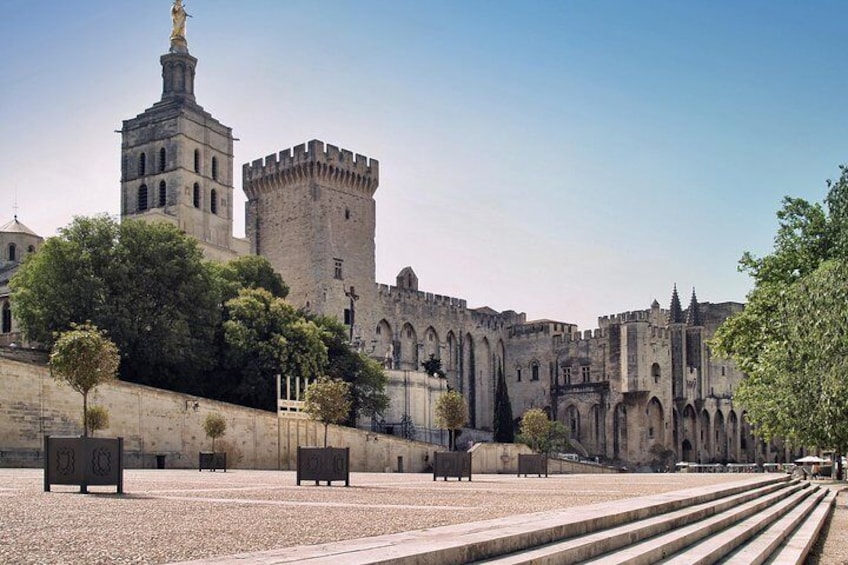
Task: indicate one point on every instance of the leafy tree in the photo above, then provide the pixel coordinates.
(164, 306)
(84, 358)
(504, 431)
(789, 339)
(215, 426)
(540, 433)
(451, 414)
(144, 283)
(66, 282)
(97, 418)
(366, 377)
(328, 401)
(267, 336)
(433, 367)
(250, 271)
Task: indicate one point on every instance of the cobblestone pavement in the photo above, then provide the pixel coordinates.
(175, 515)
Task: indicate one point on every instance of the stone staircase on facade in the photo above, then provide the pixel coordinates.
(761, 519)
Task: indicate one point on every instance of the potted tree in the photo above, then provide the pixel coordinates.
(84, 358)
(215, 426)
(97, 418)
(327, 401)
(451, 415)
(542, 435)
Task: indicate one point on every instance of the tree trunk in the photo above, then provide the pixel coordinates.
(85, 415)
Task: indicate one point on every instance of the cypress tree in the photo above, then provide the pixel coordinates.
(503, 425)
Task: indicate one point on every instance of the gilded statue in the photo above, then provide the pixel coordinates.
(178, 15)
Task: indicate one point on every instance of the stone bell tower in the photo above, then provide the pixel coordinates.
(177, 160)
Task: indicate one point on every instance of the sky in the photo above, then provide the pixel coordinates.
(568, 159)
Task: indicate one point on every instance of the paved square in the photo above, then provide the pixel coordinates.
(175, 515)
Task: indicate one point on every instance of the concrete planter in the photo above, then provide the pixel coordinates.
(323, 464)
(83, 461)
(452, 464)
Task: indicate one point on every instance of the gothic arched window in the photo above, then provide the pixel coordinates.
(142, 164)
(162, 156)
(213, 201)
(142, 198)
(197, 160)
(214, 168)
(163, 193)
(196, 196)
(13, 252)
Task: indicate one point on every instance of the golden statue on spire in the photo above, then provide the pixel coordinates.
(178, 38)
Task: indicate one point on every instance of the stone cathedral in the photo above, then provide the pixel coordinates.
(643, 381)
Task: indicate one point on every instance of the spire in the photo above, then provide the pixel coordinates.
(693, 315)
(675, 312)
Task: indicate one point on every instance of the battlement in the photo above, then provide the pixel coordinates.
(313, 160)
(602, 333)
(540, 327)
(624, 317)
(403, 294)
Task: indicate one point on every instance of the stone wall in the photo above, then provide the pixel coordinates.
(158, 422)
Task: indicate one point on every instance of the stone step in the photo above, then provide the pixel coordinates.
(717, 546)
(795, 548)
(594, 544)
(761, 548)
(659, 548)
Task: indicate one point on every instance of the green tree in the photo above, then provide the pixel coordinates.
(541, 434)
(66, 282)
(451, 414)
(266, 336)
(433, 367)
(367, 379)
(215, 426)
(84, 358)
(504, 429)
(327, 401)
(97, 418)
(145, 284)
(789, 339)
(250, 271)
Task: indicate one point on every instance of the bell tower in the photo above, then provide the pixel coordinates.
(177, 160)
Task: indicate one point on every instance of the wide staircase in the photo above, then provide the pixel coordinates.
(764, 519)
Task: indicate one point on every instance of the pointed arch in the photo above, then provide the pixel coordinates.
(432, 345)
(705, 436)
(408, 348)
(733, 437)
(467, 379)
(655, 421)
(485, 385)
(720, 437)
(384, 347)
(142, 198)
(619, 431)
(572, 423)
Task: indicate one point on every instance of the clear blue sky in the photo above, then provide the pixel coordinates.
(569, 159)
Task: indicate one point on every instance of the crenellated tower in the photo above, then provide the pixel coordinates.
(311, 213)
(177, 160)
